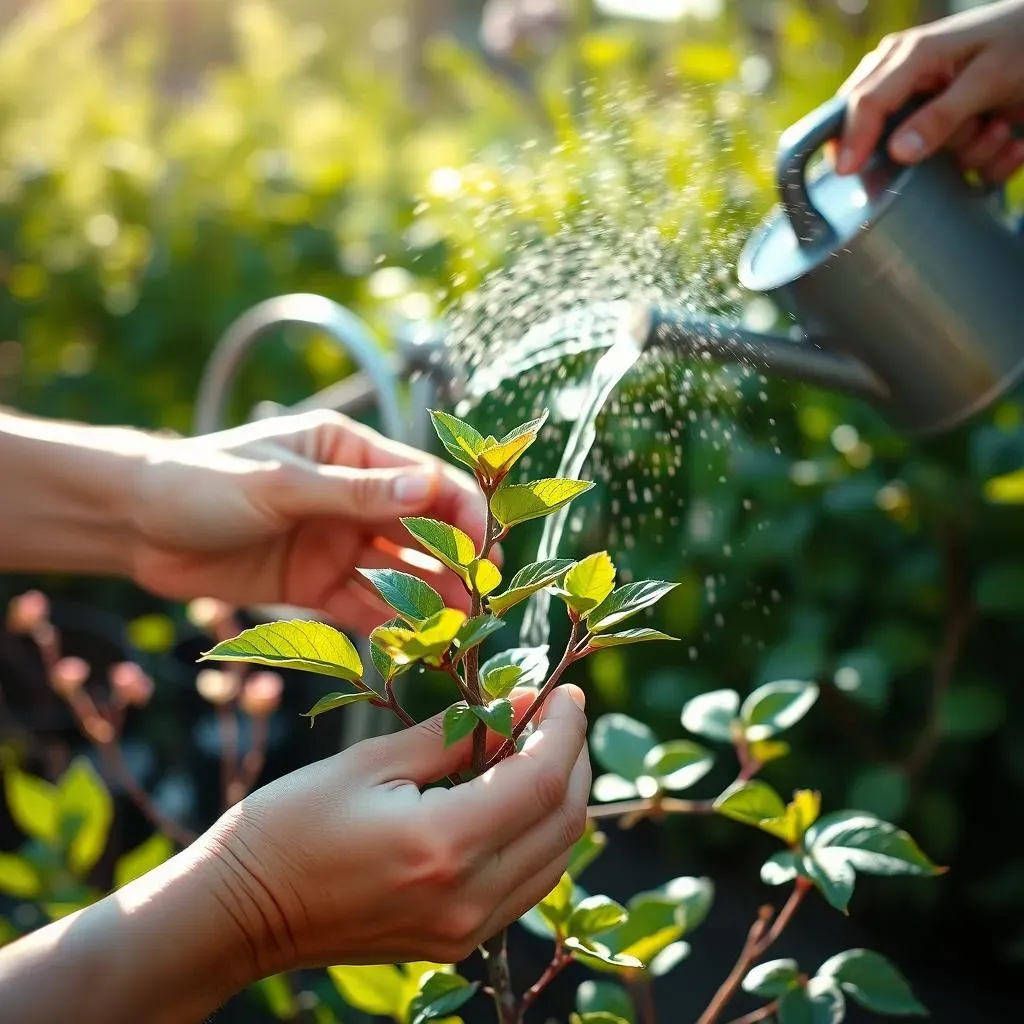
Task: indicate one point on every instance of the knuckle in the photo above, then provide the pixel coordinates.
(574, 822)
(431, 862)
(550, 789)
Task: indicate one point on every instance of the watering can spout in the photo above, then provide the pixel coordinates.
(719, 341)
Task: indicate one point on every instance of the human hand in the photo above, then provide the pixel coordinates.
(284, 510)
(974, 62)
(348, 861)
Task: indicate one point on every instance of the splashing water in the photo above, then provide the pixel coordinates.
(609, 371)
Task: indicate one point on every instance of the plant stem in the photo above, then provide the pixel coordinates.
(763, 933)
(652, 807)
(495, 953)
(559, 961)
(472, 659)
(643, 996)
(757, 1015)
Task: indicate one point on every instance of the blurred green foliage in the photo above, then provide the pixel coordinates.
(147, 198)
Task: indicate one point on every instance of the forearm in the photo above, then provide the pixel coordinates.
(169, 948)
(66, 495)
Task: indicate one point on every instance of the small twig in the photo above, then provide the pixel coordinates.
(495, 953)
(763, 1013)
(763, 933)
(453, 672)
(643, 994)
(653, 807)
(472, 660)
(559, 961)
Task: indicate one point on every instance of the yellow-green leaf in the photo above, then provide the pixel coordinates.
(517, 503)
(428, 643)
(501, 680)
(588, 582)
(628, 636)
(484, 575)
(375, 989)
(145, 857)
(474, 632)
(299, 644)
(556, 907)
(756, 803)
(33, 803)
(448, 543)
(498, 457)
(528, 581)
(18, 878)
(461, 440)
(1007, 489)
(336, 700)
(382, 661)
(86, 811)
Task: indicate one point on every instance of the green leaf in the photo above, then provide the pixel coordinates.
(385, 665)
(671, 956)
(500, 681)
(586, 849)
(18, 878)
(458, 722)
(517, 503)
(428, 643)
(33, 804)
(628, 636)
(556, 907)
(777, 706)
(498, 457)
(692, 896)
(483, 575)
(624, 602)
(999, 589)
(869, 979)
(299, 644)
(440, 995)
(278, 995)
(605, 997)
(414, 600)
(753, 803)
(678, 765)
(86, 810)
(497, 716)
(532, 661)
(970, 710)
(621, 743)
(597, 1017)
(593, 952)
(594, 915)
(821, 1002)
(527, 582)
(780, 868)
(712, 714)
(474, 632)
(376, 989)
(1006, 489)
(461, 440)
(832, 874)
(147, 855)
(588, 583)
(335, 700)
(609, 787)
(447, 543)
(772, 979)
(870, 845)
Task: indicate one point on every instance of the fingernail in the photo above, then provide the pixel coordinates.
(578, 697)
(907, 146)
(413, 488)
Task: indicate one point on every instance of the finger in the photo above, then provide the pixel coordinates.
(931, 127)
(489, 812)
(985, 146)
(1005, 164)
(868, 63)
(418, 754)
(525, 897)
(356, 610)
(966, 135)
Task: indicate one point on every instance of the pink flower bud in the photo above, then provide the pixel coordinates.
(262, 694)
(208, 613)
(132, 686)
(27, 612)
(69, 675)
(217, 686)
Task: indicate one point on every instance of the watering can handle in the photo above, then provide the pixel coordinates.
(796, 147)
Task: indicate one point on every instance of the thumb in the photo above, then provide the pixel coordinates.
(419, 755)
(367, 495)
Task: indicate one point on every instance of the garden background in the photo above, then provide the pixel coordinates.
(165, 165)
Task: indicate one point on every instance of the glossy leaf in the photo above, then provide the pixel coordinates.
(679, 764)
(18, 878)
(628, 636)
(621, 743)
(597, 1017)
(870, 980)
(483, 576)
(821, 1002)
(411, 597)
(780, 868)
(501, 680)
(439, 996)
(586, 849)
(594, 915)
(86, 811)
(625, 602)
(775, 707)
(427, 644)
(385, 665)
(588, 583)
(712, 715)
(832, 874)
(532, 661)
(517, 503)
(145, 857)
(33, 804)
(753, 803)
(527, 582)
(497, 716)
(498, 457)
(336, 700)
(594, 953)
(474, 632)
(556, 907)
(870, 845)
(772, 978)
(461, 440)
(610, 787)
(447, 543)
(376, 989)
(458, 722)
(605, 997)
(299, 644)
